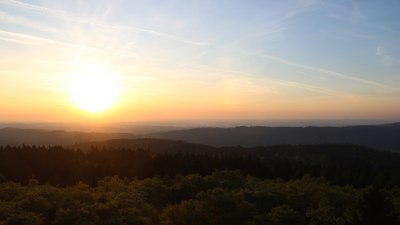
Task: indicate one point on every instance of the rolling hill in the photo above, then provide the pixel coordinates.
(17, 136)
(383, 137)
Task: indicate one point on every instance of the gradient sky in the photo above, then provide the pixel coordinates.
(199, 60)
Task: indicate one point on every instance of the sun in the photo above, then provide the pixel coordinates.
(94, 89)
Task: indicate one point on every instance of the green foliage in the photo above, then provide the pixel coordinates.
(216, 206)
(284, 215)
(339, 164)
(225, 197)
(375, 209)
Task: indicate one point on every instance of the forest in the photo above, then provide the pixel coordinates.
(303, 184)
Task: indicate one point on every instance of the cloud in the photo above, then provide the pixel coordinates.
(379, 51)
(26, 39)
(386, 59)
(327, 72)
(32, 86)
(32, 7)
(6, 18)
(29, 39)
(266, 80)
(313, 88)
(65, 16)
(349, 12)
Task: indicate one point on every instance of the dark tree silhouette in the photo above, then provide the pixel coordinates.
(375, 209)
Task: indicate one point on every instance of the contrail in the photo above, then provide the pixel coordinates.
(26, 39)
(313, 88)
(327, 72)
(65, 16)
(11, 19)
(287, 83)
(29, 39)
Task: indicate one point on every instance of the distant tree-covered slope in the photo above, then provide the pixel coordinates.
(380, 137)
(17, 136)
(340, 164)
(326, 154)
(152, 144)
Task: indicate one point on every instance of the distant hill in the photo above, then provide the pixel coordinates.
(392, 124)
(154, 145)
(383, 137)
(16, 136)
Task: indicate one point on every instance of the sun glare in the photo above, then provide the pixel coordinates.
(94, 89)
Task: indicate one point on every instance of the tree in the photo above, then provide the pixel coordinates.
(375, 209)
(214, 207)
(284, 215)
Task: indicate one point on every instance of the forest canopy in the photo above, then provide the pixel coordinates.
(224, 197)
(339, 164)
(278, 185)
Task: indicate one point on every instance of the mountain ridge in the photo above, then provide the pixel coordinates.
(20, 136)
(374, 136)
(381, 137)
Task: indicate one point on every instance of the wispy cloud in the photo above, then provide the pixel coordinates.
(32, 86)
(379, 51)
(261, 80)
(66, 16)
(29, 39)
(327, 72)
(26, 39)
(6, 18)
(348, 12)
(314, 88)
(386, 59)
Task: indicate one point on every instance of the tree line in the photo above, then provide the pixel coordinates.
(339, 164)
(279, 185)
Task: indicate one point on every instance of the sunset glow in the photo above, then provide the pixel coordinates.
(94, 89)
(197, 60)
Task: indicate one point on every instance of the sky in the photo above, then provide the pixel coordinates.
(200, 60)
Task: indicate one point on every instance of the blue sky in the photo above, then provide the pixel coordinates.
(238, 59)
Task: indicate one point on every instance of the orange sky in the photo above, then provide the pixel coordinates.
(206, 62)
